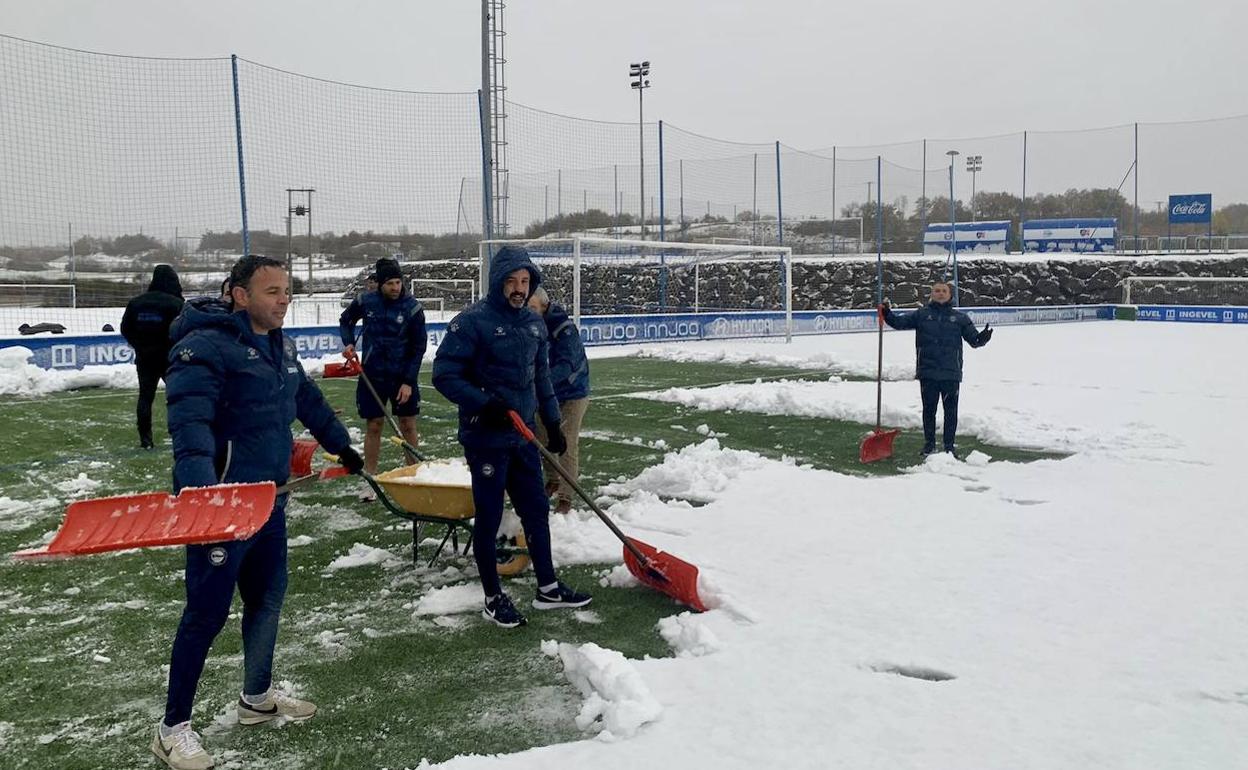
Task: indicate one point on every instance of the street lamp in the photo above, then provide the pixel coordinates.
(639, 74)
(973, 164)
(953, 225)
(298, 211)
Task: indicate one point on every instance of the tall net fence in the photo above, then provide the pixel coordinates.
(111, 164)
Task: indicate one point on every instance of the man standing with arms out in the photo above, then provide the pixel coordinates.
(940, 330)
(492, 360)
(145, 325)
(235, 384)
(394, 346)
(569, 374)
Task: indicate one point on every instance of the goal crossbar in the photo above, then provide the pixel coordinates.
(659, 251)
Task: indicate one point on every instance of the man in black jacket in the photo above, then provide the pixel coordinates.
(145, 325)
(940, 330)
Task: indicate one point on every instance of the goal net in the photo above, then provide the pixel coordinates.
(609, 276)
(1184, 290)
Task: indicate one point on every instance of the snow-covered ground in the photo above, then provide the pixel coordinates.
(1079, 613)
(1087, 612)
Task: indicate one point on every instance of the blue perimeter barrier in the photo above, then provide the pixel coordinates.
(316, 342)
(1192, 314)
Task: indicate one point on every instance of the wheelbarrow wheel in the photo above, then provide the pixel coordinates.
(512, 560)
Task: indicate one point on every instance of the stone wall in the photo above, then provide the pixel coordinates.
(850, 283)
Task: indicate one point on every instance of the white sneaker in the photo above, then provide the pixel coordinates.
(276, 704)
(182, 749)
(367, 494)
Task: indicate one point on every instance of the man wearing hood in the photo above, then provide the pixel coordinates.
(940, 330)
(569, 374)
(494, 360)
(235, 384)
(145, 325)
(394, 347)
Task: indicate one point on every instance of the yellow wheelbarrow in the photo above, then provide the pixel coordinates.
(440, 504)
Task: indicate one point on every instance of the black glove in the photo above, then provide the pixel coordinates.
(495, 414)
(556, 442)
(351, 460)
(985, 335)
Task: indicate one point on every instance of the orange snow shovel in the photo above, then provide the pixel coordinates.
(348, 368)
(660, 570)
(878, 445)
(196, 515)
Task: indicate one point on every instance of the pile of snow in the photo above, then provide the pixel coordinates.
(361, 555)
(617, 702)
(450, 600)
(444, 472)
(20, 378)
(80, 485)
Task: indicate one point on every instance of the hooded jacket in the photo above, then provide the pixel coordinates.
(145, 324)
(940, 330)
(492, 348)
(394, 335)
(569, 367)
(232, 396)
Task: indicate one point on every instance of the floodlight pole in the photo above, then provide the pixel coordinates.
(973, 164)
(641, 82)
(953, 225)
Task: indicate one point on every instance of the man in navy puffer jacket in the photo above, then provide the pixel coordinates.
(940, 330)
(234, 386)
(393, 348)
(494, 359)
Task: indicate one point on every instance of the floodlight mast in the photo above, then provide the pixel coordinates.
(640, 81)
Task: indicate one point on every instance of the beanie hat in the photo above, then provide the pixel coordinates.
(387, 269)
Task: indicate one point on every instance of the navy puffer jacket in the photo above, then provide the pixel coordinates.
(492, 348)
(232, 396)
(145, 324)
(394, 335)
(940, 330)
(569, 367)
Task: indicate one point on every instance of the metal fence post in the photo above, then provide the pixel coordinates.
(238, 140)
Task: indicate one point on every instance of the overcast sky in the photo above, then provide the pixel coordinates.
(811, 73)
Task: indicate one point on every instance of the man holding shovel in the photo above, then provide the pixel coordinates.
(569, 374)
(940, 330)
(493, 360)
(394, 342)
(234, 386)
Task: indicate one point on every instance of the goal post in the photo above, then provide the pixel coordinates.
(600, 276)
(1184, 290)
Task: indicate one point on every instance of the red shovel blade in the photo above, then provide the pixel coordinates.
(878, 445)
(348, 368)
(665, 573)
(198, 515)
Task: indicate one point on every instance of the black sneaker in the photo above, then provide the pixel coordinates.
(928, 449)
(560, 597)
(502, 612)
(953, 450)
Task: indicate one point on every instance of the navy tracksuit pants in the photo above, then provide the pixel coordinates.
(944, 392)
(518, 472)
(257, 566)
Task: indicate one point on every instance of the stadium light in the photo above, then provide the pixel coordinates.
(298, 211)
(953, 224)
(639, 80)
(973, 164)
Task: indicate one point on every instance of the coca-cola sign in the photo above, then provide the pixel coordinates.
(1191, 208)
